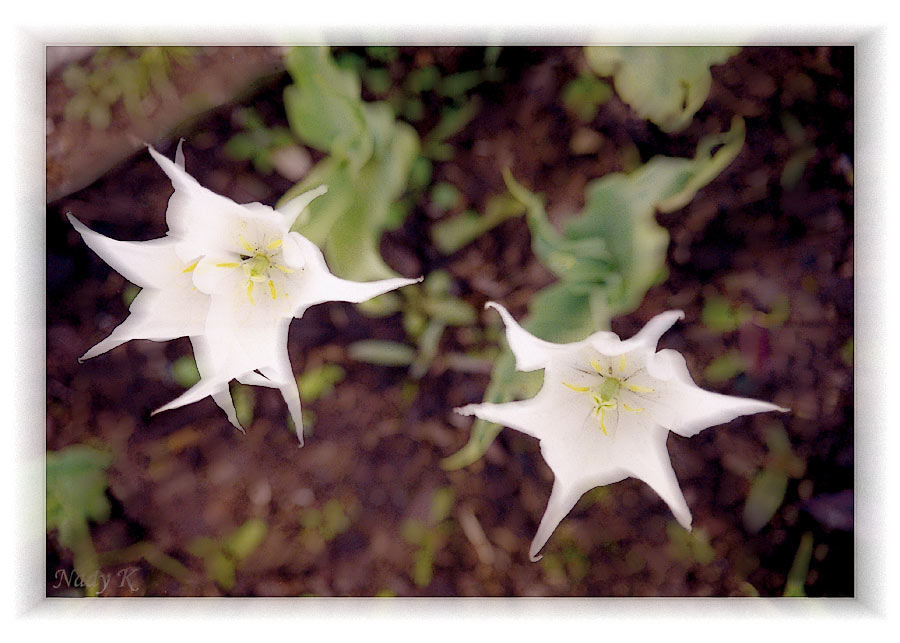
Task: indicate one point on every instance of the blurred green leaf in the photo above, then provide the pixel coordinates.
(445, 196)
(453, 120)
(452, 234)
(796, 166)
(666, 85)
(455, 85)
(765, 497)
(796, 580)
(847, 352)
(244, 399)
(584, 95)
(371, 155)
(244, 540)
(184, 371)
(442, 504)
(724, 367)
(316, 383)
(377, 80)
(382, 352)
(423, 79)
(76, 494)
(131, 291)
(383, 54)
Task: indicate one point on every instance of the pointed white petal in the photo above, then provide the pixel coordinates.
(179, 154)
(562, 498)
(315, 284)
(641, 450)
(145, 263)
(522, 416)
(203, 388)
(292, 209)
(293, 252)
(691, 409)
(646, 339)
(255, 379)
(157, 315)
(531, 353)
(174, 170)
(205, 358)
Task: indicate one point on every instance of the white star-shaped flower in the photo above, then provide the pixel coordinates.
(605, 410)
(231, 277)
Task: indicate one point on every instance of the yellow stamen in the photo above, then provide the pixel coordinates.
(597, 366)
(577, 389)
(284, 269)
(250, 292)
(250, 249)
(272, 289)
(638, 389)
(633, 409)
(602, 424)
(622, 363)
(274, 244)
(227, 264)
(191, 267)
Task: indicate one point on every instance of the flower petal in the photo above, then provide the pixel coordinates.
(316, 284)
(203, 388)
(641, 451)
(531, 353)
(522, 416)
(562, 498)
(158, 315)
(646, 339)
(144, 263)
(204, 355)
(690, 409)
(293, 208)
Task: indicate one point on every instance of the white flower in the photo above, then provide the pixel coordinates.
(231, 277)
(605, 410)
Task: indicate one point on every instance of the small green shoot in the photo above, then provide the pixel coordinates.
(222, 558)
(76, 494)
(429, 536)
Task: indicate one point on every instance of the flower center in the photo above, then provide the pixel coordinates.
(605, 393)
(256, 264)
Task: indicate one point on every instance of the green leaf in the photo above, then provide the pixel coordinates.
(382, 352)
(584, 95)
(220, 569)
(377, 80)
(442, 504)
(422, 80)
(765, 497)
(796, 580)
(367, 172)
(244, 399)
(244, 540)
(453, 121)
(724, 367)
(445, 196)
(241, 147)
(452, 234)
(76, 494)
(383, 54)
(323, 105)
(666, 85)
(455, 85)
(316, 383)
(184, 371)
